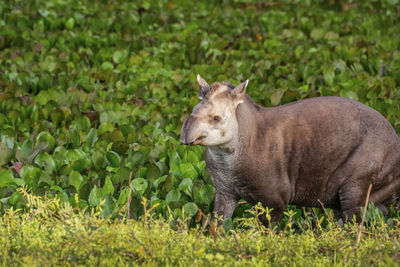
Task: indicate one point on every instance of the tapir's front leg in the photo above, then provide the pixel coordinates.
(224, 205)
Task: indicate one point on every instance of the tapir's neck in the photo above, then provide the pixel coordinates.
(247, 117)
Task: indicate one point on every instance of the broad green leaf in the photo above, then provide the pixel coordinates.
(5, 154)
(93, 175)
(108, 187)
(81, 123)
(91, 137)
(6, 178)
(159, 180)
(192, 158)
(340, 65)
(45, 161)
(317, 33)
(112, 159)
(118, 56)
(30, 175)
(174, 161)
(228, 224)
(3, 119)
(331, 35)
(15, 198)
(107, 66)
(45, 178)
(98, 159)
(188, 171)
(349, 94)
(74, 137)
(94, 196)
(185, 185)
(173, 196)
(139, 185)
(152, 172)
(43, 97)
(137, 158)
(27, 148)
(105, 127)
(190, 209)
(123, 196)
(276, 98)
(57, 188)
(76, 180)
(46, 138)
(107, 207)
(70, 23)
(121, 176)
(117, 136)
(75, 154)
(206, 194)
(19, 181)
(81, 164)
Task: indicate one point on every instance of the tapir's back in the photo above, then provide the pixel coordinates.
(332, 113)
(337, 123)
(320, 146)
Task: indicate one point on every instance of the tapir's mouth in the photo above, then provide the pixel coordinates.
(199, 139)
(194, 142)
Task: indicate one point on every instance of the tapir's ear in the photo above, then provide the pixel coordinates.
(239, 91)
(204, 87)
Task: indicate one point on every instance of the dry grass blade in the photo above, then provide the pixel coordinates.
(204, 226)
(128, 204)
(363, 217)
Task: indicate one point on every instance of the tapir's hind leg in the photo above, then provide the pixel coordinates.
(383, 209)
(367, 165)
(351, 197)
(386, 194)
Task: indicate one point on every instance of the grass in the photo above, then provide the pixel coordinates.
(55, 234)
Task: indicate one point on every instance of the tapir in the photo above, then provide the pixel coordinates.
(322, 151)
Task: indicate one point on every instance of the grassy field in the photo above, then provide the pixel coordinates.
(50, 234)
(92, 100)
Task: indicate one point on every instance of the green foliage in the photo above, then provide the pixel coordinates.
(54, 233)
(93, 95)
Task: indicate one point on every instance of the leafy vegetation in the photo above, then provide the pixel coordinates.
(55, 233)
(91, 104)
(93, 97)
(94, 94)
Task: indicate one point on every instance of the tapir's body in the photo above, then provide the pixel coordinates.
(319, 151)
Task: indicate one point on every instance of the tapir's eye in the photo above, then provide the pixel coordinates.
(217, 118)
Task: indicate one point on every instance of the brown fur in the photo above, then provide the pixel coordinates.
(320, 150)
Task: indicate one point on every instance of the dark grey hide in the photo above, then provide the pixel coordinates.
(321, 150)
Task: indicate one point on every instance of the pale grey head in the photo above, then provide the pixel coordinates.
(213, 121)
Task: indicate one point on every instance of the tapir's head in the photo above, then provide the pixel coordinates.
(213, 121)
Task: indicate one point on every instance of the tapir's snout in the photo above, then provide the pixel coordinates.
(187, 143)
(185, 131)
(191, 133)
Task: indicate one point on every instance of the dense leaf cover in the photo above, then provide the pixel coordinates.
(93, 94)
